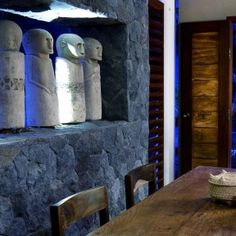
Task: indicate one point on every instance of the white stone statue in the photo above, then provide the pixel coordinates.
(92, 79)
(41, 97)
(12, 111)
(70, 78)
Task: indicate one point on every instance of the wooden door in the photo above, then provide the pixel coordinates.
(205, 103)
(156, 89)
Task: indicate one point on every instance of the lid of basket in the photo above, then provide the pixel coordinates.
(224, 178)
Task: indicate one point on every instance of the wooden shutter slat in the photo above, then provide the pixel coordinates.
(155, 24)
(155, 140)
(156, 85)
(154, 106)
(153, 15)
(155, 113)
(156, 5)
(160, 164)
(156, 77)
(156, 69)
(153, 131)
(156, 88)
(154, 60)
(156, 51)
(156, 158)
(160, 181)
(155, 103)
(155, 33)
(156, 95)
(160, 173)
(156, 122)
(156, 131)
(154, 149)
(155, 43)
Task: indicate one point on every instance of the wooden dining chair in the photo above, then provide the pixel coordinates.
(75, 207)
(137, 178)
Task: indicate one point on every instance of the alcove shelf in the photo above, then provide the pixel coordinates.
(41, 166)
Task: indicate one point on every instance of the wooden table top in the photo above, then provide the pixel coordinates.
(181, 208)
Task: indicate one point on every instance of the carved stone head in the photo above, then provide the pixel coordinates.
(10, 36)
(38, 41)
(93, 49)
(70, 46)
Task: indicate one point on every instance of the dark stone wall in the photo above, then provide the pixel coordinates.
(39, 168)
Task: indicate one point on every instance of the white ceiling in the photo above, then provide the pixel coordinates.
(204, 10)
(58, 9)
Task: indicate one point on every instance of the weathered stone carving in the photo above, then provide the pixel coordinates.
(12, 111)
(41, 97)
(92, 79)
(70, 78)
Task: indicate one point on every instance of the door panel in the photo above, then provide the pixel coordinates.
(205, 135)
(203, 72)
(205, 95)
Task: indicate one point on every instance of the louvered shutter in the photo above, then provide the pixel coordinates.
(156, 95)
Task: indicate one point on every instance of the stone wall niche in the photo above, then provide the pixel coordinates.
(113, 37)
(40, 167)
(113, 68)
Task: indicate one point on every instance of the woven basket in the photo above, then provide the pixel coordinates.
(223, 190)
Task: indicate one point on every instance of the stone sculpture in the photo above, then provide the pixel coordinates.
(12, 112)
(92, 79)
(70, 78)
(41, 97)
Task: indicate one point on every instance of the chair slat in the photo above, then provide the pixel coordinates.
(77, 206)
(142, 174)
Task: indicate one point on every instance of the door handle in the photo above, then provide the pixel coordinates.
(186, 115)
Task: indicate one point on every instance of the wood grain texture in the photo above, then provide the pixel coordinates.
(205, 72)
(180, 208)
(205, 88)
(205, 103)
(198, 41)
(77, 206)
(206, 162)
(144, 173)
(205, 135)
(204, 151)
(203, 119)
(205, 40)
(205, 56)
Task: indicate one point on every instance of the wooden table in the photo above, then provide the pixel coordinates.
(180, 208)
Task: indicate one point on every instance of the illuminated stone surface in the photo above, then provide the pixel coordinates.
(70, 78)
(40, 87)
(12, 110)
(92, 79)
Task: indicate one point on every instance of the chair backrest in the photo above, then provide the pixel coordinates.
(137, 178)
(77, 206)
